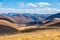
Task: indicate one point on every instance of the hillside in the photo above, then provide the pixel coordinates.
(54, 22)
(5, 18)
(32, 31)
(12, 25)
(57, 15)
(16, 19)
(7, 29)
(37, 34)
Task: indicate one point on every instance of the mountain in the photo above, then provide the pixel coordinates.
(9, 14)
(57, 15)
(34, 23)
(16, 22)
(5, 18)
(42, 15)
(53, 20)
(19, 18)
(30, 16)
(34, 16)
(25, 18)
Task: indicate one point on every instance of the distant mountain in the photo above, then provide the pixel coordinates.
(31, 19)
(30, 16)
(57, 15)
(9, 14)
(25, 18)
(19, 19)
(53, 20)
(34, 23)
(33, 16)
(42, 15)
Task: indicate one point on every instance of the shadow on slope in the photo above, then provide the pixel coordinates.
(5, 18)
(56, 24)
(10, 31)
(36, 29)
(53, 16)
(6, 29)
(34, 23)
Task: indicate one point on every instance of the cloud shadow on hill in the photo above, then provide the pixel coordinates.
(6, 29)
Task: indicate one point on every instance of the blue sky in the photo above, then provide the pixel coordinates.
(30, 6)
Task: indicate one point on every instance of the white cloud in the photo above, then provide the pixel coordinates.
(42, 4)
(7, 10)
(31, 5)
(33, 8)
(36, 10)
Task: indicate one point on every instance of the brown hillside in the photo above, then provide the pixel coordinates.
(16, 19)
(54, 22)
(15, 26)
(5, 18)
(24, 19)
(12, 25)
(6, 29)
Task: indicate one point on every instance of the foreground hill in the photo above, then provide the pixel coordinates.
(9, 24)
(18, 27)
(7, 29)
(37, 34)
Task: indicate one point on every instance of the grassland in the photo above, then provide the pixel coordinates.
(34, 34)
(30, 32)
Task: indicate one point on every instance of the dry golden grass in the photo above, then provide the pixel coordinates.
(41, 34)
(13, 25)
(32, 34)
(4, 22)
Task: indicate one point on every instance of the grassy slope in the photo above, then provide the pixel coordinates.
(42, 34)
(13, 25)
(4, 22)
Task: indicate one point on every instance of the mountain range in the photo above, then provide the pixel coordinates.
(53, 20)
(27, 18)
(23, 21)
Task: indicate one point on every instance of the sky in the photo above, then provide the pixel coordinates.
(30, 6)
